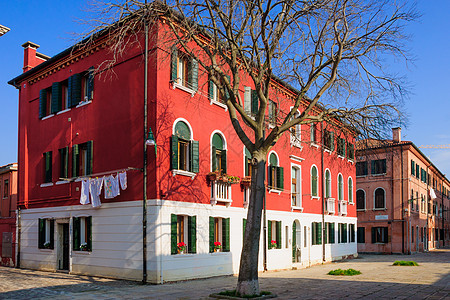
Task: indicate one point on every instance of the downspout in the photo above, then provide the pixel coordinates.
(264, 219)
(427, 206)
(323, 194)
(403, 207)
(18, 239)
(144, 201)
(442, 218)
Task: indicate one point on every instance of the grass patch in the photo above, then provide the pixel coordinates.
(405, 263)
(348, 272)
(232, 293)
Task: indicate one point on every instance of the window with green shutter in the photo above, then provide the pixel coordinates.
(82, 233)
(274, 234)
(254, 102)
(74, 89)
(413, 167)
(331, 232)
(183, 70)
(219, 234)
(46, 233)
(314, 181)
(42, 103)
(183, 234)
(275, 174)
(56, 100)
(82, 159)
(64, 162)
(184, 150)
(48, 167)
(219, 154)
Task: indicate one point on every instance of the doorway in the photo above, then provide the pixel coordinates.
(63, 247)
(296, 242)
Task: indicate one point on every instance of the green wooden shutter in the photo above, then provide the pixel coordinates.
(69, 90)
(244, 223)
(75, 159)
(174, 159)
(332, 230)
(194, 157)
(325, 234)
(65, 172)
(213, 159)
(280, 177)
(413, 167)
(345, 233)
(314, 181)
(332, 140)
(90, 83)
(75, 90)
(269, 176)
(383, 166)
(89, 233)
(372, 167)
(52, 234)
(227, 93)
(173, 234)
(278, 225)
(319, 233)
(76, 233)
(223, 157)
(210, 88)
(194, 74)
(226, 235)
(192, 234)
(294, 241)
(269, 232)
(313, 234)
(90, 154)
(374, 235)
(42, 103)
(255, 102)
(41, 236)
(56, 100)
(48, 166)
(173, 65)
(211, 234)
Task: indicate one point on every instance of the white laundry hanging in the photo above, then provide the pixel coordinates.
(95, 188)
(84, 198)
(123, 180)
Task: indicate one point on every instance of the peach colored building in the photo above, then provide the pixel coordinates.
(402, 198)
(8, 206)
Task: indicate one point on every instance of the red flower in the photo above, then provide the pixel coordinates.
(217, 245)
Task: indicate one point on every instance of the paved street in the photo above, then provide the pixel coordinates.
(379, 280)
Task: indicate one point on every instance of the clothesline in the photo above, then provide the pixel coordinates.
(101, 173)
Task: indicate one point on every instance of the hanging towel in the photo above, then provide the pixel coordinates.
(123, 180)
(84, 198)
(107, 182)
(115, 185)
(95, 187)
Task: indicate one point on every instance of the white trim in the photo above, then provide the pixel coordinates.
(187, 123)
(63, 111)
(297, 208)
(61, 182)
(313, 144)
(325, 184)
(83, 103)
(184, 173)
(298, 170)
(210, 146)
(348, 190)
(47, 117)
(327, 150)
(46, 184)
(277, 191)
(183, 88)
(383, 208)
(311, 182)
(296, 158)
(341, 157)
(340, 174)
(224, 106)
(268, 157)
(365, 204)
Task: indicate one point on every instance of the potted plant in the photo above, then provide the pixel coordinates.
(211, 176)
(217, 246)
(181, 247)
(84, 247)
(47, 245)
(273, 244)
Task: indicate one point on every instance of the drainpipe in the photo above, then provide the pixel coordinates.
(403, 207)
(144, 201)
(442, 218)
(18, 239)
(427, 205)
(264, 218)
(323, 194)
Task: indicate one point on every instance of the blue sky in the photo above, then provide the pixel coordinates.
(50, 24)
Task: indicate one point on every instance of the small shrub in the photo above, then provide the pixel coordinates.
(405, 263)
(348, 272)
(232, 293)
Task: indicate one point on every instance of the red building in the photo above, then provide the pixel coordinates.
(8, 206)
(75, 124)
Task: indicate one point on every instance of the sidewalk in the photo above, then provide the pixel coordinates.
(379, 280)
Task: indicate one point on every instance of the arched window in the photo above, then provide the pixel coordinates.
(219, 154)
(247, 162)
(275, 173)
(340, 187)
(350, 190)
(380, 198)
(296, 132)
(184, 148)
(296, 195)
(360, 199)
(327, 184)
(314, 182)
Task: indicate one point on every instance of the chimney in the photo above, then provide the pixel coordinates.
(397, 134)
(31, 58)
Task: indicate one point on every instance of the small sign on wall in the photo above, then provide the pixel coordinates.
(381, 217)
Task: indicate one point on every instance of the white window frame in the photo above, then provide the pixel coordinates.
(298, 172)
(297, 138)
(350, 192)
(177, 171)
(317, 182)
(327, 188)
(365, 200)
(339, 187)
(374, 191)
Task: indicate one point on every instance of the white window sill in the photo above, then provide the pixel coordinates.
(379, 209)
(351, 203)
(184, 88)
(184, 255)
(277, 191)
(381, 174)
(315, 197)
(314, 145)
(226, 201)
(46, 250)
(340, 156)
(350, 160)
(360, 176)
(83, 103)
(46, 184)
(296, 143)
(184, 173)
(82, 252)
(327, 150)
(296, 158)
(361, 209)
(62, 182)
(224, 106)
(297, 208)
(47, 117)
(63, 111)
(219, 253)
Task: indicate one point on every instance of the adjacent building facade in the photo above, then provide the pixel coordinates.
(75, 124)
(8, 207)
(402, 198)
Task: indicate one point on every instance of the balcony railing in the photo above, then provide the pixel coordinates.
(342, 207)
(221, 192)
(329, 206)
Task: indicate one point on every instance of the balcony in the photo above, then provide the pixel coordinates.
(220, 192)
(342, 207)
(329, 206)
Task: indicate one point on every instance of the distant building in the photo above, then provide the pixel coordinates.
(402, 198)
(3, 30)
(8, 206)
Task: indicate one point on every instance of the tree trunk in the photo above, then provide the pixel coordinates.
(248, 270)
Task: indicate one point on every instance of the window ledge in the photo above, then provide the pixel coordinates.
(63, 111)
(83, 103)
(46, 184)
(315, 197)
(47, 117)
(340, 156)
(224, 106)
(297, 208)
(361, 209)
(46, 250)
(296, 158)
(277, 191)
(61, 182)
(380, 208)
(381, 174)
(361, 176)
(297, 144)
(351, 203)
(226, 201)
(184, 255)
(327, 150)
(184, 88)
(82, 252)
(219, 253)
(350, 160)
(184, 173)
(314, 145)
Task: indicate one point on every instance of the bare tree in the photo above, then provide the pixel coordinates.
(331, 53)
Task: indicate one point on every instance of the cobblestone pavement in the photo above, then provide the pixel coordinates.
(379, 280)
